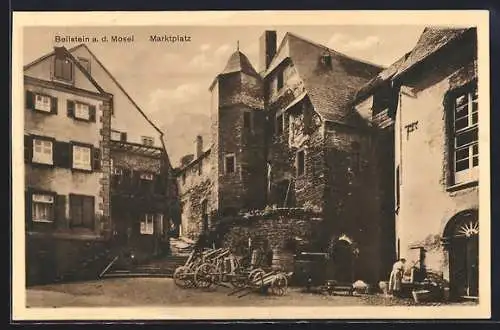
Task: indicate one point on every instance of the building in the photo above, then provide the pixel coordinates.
(288, 136)
(141, 174)
(98, 175)
(429, 100)
(66, 146)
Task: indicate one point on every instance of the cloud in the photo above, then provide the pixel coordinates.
(159, 99)
(205, 47)
(346, 43)
(200, 62)
(222, 50)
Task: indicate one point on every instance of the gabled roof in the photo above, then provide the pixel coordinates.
(238, 62)
(330, 88)
(62, 51)
(71, 50)
(431, 40)
(382, 77)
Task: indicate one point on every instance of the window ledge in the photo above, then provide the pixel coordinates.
(461, 186)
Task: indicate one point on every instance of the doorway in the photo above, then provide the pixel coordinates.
(463, 249)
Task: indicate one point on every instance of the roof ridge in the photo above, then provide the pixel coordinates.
(334, 51)
(49, 54)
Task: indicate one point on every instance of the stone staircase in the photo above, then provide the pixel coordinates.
(159, 267)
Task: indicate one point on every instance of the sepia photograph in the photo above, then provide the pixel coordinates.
(216, 166)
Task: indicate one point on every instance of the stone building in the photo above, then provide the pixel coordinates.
(428, 99)
(288, 136)
(66, 147)
(97, 172)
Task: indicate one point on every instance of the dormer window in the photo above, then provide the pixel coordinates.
(63, 69)
(326, 59)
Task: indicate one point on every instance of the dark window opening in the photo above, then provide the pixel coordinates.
(300, 162)
(230, 164)
(81, 211)
(280, 79)
(63, 69)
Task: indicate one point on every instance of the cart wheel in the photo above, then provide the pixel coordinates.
(181, 277)
(279, 285)
(239, 281)
(256, 277)
(204, 276)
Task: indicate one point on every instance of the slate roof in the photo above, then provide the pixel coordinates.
(238, 62)
(431, 40)
(329, 88)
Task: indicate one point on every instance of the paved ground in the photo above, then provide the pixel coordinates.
(130, 292)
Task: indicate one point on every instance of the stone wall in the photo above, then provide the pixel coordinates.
(277, 227)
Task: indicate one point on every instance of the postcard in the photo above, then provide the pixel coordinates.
(250, 165)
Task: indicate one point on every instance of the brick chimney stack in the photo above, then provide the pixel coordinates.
(268, 44)
(198, 144)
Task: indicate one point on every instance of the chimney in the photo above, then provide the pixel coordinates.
(198, 145)
(267, 50)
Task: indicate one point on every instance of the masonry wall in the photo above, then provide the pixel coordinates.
(352, 196)
(428, 201)
(196, 188)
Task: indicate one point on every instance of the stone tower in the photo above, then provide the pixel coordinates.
(238, 134)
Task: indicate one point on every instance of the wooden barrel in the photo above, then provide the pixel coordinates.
(282, 261)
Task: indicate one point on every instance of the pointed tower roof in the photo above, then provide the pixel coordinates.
(238, 62)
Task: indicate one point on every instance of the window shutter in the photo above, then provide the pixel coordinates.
(92, 113)
(448, 104)
(71, 108)
(53, 105)
(88, 215)
(96, 159)
(28, 148)
(75, 209)
(62, 153)
(123, 136)
(60, 210)
(30, 100)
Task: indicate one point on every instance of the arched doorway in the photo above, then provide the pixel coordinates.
(343, 255)
(461, 238)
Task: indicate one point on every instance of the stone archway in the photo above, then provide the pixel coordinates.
(343, 252)
(461, 241)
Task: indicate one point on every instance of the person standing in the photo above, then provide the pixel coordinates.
(396, 277)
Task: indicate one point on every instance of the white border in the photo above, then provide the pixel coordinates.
(477, 18)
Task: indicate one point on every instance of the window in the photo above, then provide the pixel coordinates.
(279, 79)
(85, 63)
(82, 111)
(184, 178)
(42, 208)
(147, 176)
(300, 162)
(116, 135)
(230, 164)
(247, 120)
(63, 69)
(42, 151)
(81, 210)
(147, 141)
(117, 171)
(465, 135)
(147, 224)
(81, 157)
(279, 125)
(43, 103)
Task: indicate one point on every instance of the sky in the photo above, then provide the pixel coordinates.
(170, 81)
